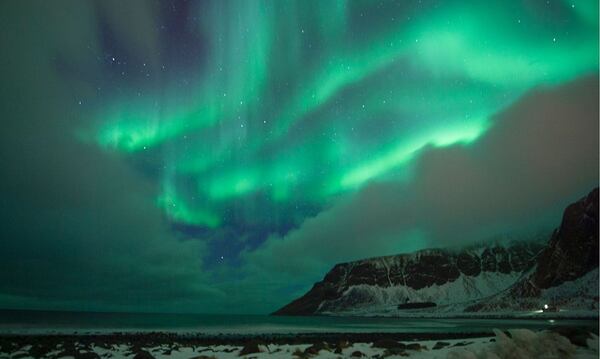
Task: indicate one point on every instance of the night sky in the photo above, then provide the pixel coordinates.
(221, 156)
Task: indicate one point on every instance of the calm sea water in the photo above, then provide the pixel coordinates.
(16, 321)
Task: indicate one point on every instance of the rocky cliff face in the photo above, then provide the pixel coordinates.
(566, 271)
(465, 280)
(434, 275)
(573, 248)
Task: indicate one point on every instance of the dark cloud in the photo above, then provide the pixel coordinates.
(539, 155)
(542, 153)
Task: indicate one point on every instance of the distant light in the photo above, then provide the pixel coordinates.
(545, 306)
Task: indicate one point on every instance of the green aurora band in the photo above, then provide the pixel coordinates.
(300, 102)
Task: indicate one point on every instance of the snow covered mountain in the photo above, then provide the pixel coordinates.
(497, 278)
(566, 271)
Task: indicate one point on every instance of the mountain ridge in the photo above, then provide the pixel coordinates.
(473, 280)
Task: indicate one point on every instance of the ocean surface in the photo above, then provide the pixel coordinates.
(36, 322)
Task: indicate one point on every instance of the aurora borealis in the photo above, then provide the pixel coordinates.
(226, 129)
(303, 103)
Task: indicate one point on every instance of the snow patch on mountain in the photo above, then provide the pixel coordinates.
(367, 298)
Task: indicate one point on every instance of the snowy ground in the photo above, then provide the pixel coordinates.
(519, 344)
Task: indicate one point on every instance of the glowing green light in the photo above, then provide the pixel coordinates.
(232, 185)
(178, 210)
(404, 152)
(300, 102)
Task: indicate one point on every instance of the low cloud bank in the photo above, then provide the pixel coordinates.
(539, 155)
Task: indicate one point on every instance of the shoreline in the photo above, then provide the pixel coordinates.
(281, 331)
(158, 337)
(473, 317)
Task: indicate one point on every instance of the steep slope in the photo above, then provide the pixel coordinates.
(519, 276)
(442, 276)
(573, 248)
(566, 272)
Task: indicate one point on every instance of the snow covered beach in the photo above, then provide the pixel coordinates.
(514, 344)
(36, 334)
